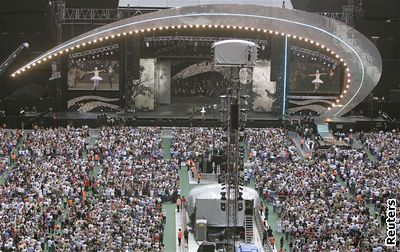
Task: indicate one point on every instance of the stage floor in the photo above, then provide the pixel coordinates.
(180, 108)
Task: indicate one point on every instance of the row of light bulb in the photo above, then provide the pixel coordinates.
(94, 41)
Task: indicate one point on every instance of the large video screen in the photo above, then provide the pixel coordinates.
(313, 74)
(93, 73)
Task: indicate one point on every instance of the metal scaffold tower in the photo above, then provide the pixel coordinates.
(233, 117)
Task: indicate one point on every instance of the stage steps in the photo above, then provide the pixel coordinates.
(323, 131)
(248, 229)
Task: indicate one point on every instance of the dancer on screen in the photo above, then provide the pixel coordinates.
(317, 81)
(96, 78)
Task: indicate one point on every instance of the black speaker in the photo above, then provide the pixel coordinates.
(223, 206)
(62, 86)
(12, 106)
(136, 42)
(276, 57)
(395, 95)
(234, 116)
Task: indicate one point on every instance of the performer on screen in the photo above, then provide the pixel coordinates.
(317, 79)
(96, 78)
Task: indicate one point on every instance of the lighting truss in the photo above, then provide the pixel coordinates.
(93, 51)
(315, 54)
(83, 16)
(199, 39)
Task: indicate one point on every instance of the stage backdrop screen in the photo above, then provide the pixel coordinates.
(98, 73)
(313, 74)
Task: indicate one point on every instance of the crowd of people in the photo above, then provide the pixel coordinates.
(324, 203)
(270, 144)
(66, 191)
(194, 142)
(384, 145)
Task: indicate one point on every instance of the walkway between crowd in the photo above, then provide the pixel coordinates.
(169, 209)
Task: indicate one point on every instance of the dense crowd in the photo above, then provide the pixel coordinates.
(384, 145)
(64, 189)
(270, 144)
(323, 203)
(65, 192)
(194, 142)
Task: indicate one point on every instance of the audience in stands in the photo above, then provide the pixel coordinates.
(65, 192)
(384, 145)
(195, 142)
(323, 202)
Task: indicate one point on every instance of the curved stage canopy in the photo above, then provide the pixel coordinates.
(360, 56)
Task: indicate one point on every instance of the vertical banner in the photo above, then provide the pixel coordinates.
(263, 88)
(143, 90)
(164, 82)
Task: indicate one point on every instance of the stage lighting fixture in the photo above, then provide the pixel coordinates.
(223, 197)
(240, 206)
(223, 206)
